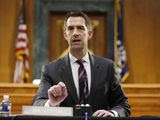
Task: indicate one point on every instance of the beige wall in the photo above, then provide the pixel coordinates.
(141, 35)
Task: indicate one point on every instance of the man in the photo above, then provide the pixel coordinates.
(82, 78)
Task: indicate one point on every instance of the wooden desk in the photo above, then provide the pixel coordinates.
(143, 98)
(20, 94)
(22, 117)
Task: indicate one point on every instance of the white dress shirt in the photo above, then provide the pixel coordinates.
(75, 66)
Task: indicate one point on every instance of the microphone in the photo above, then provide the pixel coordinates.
(86, 115)
(82, 110)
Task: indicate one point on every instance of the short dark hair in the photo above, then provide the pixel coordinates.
(78, 14)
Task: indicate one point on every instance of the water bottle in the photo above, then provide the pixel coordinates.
(6, 106)
(0, 110)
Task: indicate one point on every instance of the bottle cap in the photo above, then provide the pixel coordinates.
(5, 97)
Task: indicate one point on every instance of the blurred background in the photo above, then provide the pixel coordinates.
(43, 42)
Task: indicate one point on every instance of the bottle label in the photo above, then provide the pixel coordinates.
(6, 108)
(6, 111)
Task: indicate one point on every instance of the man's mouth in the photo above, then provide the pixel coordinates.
(76, 40)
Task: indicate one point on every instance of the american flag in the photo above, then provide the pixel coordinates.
(21, 73)
(119, 50)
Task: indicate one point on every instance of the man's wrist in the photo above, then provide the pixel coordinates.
(48, 104)
(114, 113)
(53, 105)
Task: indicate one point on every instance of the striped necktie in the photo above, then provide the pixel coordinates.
(83, 82)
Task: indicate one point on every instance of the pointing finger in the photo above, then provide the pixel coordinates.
(62, 84)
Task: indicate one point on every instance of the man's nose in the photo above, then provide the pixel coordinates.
(75, 32)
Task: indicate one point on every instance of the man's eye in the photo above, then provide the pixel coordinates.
(81, 28)
(70, 28)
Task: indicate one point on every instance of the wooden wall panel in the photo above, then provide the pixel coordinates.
(9, 13)
(141, 35)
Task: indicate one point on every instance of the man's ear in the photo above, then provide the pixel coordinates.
(64, 34)
(90, 34)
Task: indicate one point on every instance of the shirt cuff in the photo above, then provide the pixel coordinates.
(115, 113)
(47, 104)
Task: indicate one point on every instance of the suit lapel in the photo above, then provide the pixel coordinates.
(95, 72)
(68, 78)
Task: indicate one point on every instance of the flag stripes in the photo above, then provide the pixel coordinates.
(21, 73)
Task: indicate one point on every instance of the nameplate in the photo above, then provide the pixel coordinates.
(47, 111)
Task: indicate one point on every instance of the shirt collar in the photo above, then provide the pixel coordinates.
(74, 59)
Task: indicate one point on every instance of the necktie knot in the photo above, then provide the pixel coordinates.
(80, 62)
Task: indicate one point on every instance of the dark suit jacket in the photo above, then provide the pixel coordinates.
(106, 92)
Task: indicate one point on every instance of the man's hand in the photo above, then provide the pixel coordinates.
(103, 113)
(57, 94)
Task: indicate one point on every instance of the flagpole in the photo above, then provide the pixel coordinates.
(115, 32)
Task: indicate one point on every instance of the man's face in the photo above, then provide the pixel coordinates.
(77, 33)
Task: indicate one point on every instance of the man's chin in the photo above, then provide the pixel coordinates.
(77, 49)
